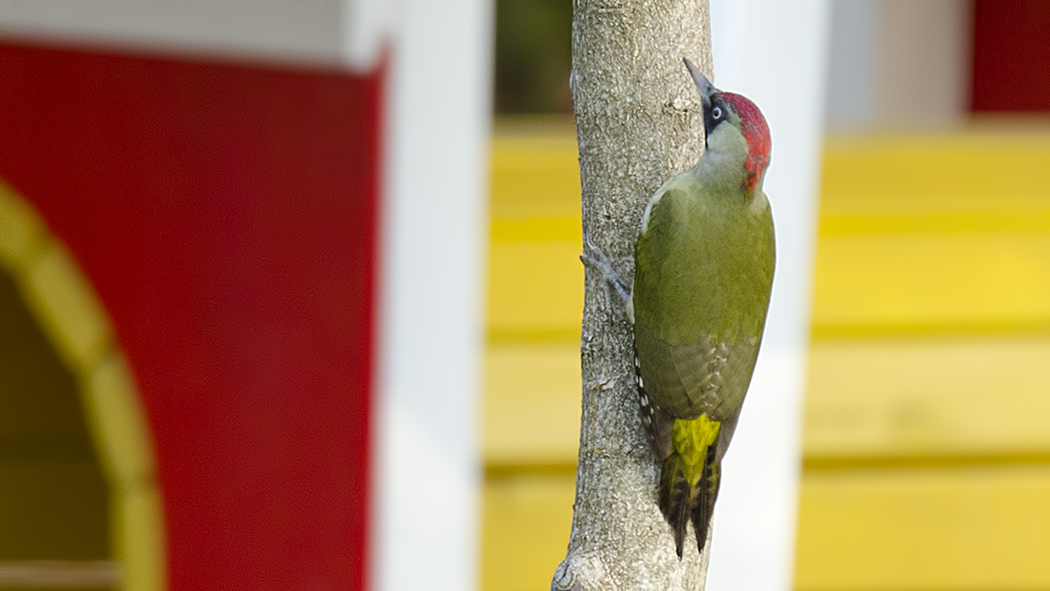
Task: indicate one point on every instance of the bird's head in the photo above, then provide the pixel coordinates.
(732, 123)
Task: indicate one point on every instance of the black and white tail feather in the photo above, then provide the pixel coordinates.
(679, 503)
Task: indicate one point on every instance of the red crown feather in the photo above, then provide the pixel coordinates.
(756, 132)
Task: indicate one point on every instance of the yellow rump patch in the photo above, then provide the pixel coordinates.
(691, 440)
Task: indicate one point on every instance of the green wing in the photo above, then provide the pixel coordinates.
(701, 291)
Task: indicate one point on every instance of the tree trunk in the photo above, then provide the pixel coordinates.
(639, 122)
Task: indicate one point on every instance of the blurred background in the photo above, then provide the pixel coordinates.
(926, 452)
(188, 262)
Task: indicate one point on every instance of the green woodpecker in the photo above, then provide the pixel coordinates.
(703, 272)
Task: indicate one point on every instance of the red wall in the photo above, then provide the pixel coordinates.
(226, 214)
(1011, 55)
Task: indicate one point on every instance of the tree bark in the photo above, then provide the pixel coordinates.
(639, 122)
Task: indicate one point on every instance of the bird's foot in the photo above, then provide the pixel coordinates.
(596, 259)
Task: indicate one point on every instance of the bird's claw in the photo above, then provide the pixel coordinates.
(593, 257)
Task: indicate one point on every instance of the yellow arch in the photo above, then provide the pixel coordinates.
(65, 305)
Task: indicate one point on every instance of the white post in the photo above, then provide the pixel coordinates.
(773, 52)
(427, 460)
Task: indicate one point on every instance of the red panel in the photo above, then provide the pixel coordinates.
(1011, 55)
(226, 215)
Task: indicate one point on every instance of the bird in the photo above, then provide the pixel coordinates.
(704, 261)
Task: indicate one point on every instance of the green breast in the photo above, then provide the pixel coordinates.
(704, 265)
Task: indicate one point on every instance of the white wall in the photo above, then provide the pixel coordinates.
(773, 52)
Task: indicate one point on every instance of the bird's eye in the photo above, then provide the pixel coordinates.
(716, 113)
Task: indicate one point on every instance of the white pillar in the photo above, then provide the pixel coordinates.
(427, 458)
(773, 52)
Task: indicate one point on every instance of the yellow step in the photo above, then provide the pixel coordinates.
(959, 182)
(924, 397)
(526, 521)
(967, 528)
(531, 411)
(886, 285)
(535, 291)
